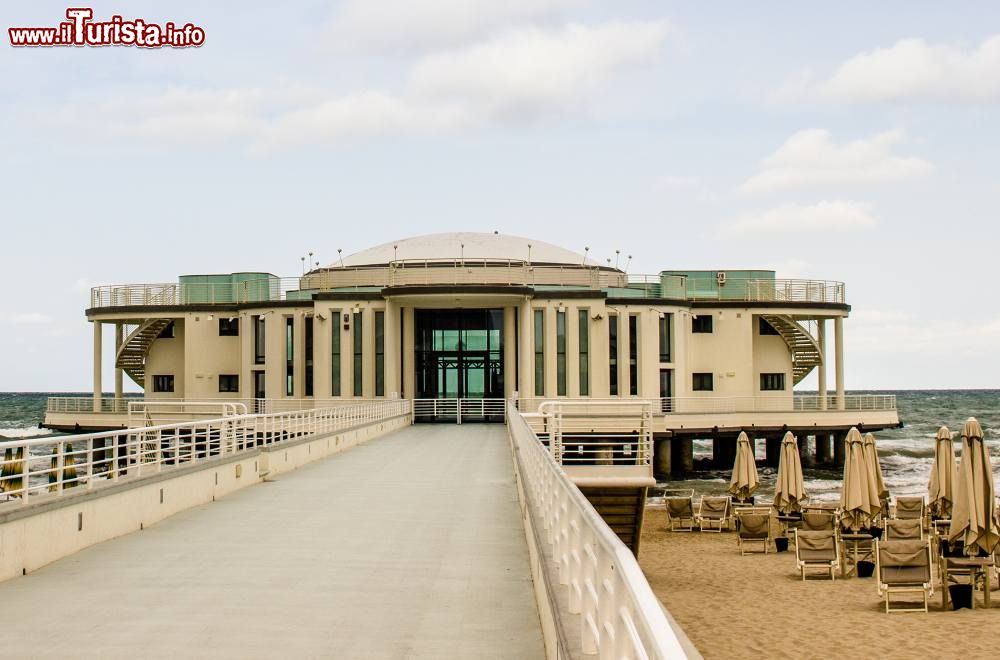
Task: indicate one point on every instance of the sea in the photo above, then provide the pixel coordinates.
(906, 453)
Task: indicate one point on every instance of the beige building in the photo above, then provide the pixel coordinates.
(483, 318)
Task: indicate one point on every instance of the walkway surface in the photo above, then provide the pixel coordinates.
(410, 546)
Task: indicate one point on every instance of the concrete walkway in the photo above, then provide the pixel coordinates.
(410, 546)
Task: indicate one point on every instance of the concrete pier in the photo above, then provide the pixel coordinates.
(839, 449)
(410, 546)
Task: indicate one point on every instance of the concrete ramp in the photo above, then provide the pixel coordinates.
(410, 546)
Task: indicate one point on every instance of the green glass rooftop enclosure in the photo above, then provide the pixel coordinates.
(231, 288)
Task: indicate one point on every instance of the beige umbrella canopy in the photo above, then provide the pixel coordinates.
(744, 480)
(790, 489)
(855, 496)
(876, 483)
(940, 488)
(972, 520)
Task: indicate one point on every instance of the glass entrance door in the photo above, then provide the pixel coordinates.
(459, 353)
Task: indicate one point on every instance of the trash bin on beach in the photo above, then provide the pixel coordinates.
(866, 568)
(781, 543)
(960, 595)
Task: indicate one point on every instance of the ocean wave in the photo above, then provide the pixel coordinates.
(23, 432)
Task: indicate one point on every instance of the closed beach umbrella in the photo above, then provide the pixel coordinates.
(940, 489)
(790, 489)
(972, 520)
(744, 480)
(876, 483)
(855, 496)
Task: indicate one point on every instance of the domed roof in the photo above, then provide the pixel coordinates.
(472, 246)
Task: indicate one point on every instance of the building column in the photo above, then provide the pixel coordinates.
(525, 346)
(839, 449)
(823, 449)
(804, 457)
(408, 367)
(98, 387)
(661, 457)
(119, 374)
(682, 455)
(390, 341)
(838, 339)
(821, 371)
(509, 352)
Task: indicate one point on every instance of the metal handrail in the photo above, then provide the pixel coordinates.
(621, 616)
(737, 404)
(51, 466)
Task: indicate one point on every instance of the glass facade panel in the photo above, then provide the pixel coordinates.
(560, 353)
(539, 352)
(308, 355)
(258, 340)
(613, 354)
(459, 353)
(666, 323)
(359, 343)
(379, 353)
(584, 334)
(633, 354)
(289, 356)
(335, 353)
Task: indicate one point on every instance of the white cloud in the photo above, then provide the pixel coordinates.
(675, 182)
(899, 332)
(520, 75)
(404, 25)
(913, 68)
(812, 158)
(528, 72)
(825, 216)
(29, 318)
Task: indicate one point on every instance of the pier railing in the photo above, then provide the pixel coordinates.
(50, 467)
(739, 404)
(621, 617)
(566, 428)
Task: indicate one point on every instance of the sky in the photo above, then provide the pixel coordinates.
(849, 141)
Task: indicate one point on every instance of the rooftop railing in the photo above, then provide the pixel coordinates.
(39, 467)
(738, 404)
(621, 616)
(457, 273)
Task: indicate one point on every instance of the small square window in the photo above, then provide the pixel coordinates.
(772, 382)
(229, 327)
(701, 323)
(167, 332)
(163, 383)
(229, 383)
(702, 382)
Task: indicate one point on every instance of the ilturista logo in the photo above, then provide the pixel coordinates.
(80, 29)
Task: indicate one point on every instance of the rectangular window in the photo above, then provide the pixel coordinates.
(289, 356)
(584, 333)
(702, 382)
(633, 354)
(666, 323)
(308, 355)
(229, 327)
(358, 339)
(335, 353)
(613, 354)
(766, 328)
(163, 383)
(229, 383)
(772, 382)
(258, 340)
(167, 332)
(701, 323)
(539, 352)
(666, 390)
(379, 353)
(560, 353)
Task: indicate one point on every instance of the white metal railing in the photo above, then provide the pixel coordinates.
(459, 409)
(152, 412)
(50, 466)
(595, 433)
(85, 404)
(744, 404)
(621, 616)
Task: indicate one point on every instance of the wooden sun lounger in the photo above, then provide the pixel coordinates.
(714, 512)
(754, 527)
(904, 566)
(680, 513)
(817, 549)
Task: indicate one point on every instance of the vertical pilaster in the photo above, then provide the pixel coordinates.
(409, 354)
(119, 374)
(391, 339)
(98, 386)
(526, 348)
(838, 338)
(821, 370)
(509, 354)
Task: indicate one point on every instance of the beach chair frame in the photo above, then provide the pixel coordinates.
(926, 589)
(897, 523)
(743, 542)
(677, 523)
(831, 565)
(710, 520)
(907, 513)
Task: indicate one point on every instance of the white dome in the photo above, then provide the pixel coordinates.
(471, 246)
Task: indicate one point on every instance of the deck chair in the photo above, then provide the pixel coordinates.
(714, 511)
(816, 521)
(680, 510)
(904, 566)
(910, 508)
(817, 549)
(906, 528)
(755, 527)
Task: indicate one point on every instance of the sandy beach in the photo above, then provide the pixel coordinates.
(757, 606)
